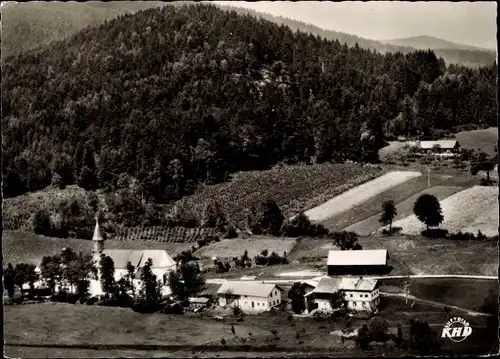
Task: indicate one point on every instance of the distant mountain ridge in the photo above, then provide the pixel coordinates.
(26, 26)
(425, 42)
(467, 56)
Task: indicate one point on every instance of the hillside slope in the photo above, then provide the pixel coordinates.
(164, 100)
(425, 42)
(29, 25)
(26, 26)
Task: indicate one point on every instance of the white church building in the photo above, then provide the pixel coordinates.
(163, 263)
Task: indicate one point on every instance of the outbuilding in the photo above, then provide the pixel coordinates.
(251, 297)
(443, 146)
(357, 262)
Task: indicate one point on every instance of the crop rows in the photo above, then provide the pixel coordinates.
(164, 234)
(12, 224)
(295, 188)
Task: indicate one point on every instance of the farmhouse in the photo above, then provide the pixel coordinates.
(438, 147)
(360, 294)
(357, 262)
(162, 263)
(250, 297)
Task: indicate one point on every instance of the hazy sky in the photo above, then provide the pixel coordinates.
(469, 23)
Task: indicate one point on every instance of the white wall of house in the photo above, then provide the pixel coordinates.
(253, 304)
(323, 305)
(356, 300)
(362, 300)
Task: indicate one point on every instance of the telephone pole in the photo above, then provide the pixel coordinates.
(428, 177)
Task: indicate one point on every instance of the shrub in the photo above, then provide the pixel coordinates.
(41, 223)
(435, 233)
(394, 230)
(300, 225)
(231, 232)
(143, 306)
(486, 182)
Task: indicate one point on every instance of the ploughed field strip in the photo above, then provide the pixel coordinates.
(229, 248)
(359, 195)
(469, 210)
(399, 193)
(404, 209)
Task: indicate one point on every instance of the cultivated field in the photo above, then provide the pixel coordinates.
(254, 245)
(358, 195)
(163, 234)
(484, 140)
(418, 255)
(25, 247)
(404, 209)
(294, 188)
(399, 193)
(473, 209)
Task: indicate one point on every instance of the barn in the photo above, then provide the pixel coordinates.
(444, 146)
(358, 262)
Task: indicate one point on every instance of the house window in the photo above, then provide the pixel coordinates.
(253, 305)
(354, 303)
(164, 279)
(350, 295)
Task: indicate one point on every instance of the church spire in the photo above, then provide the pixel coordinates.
(97, 232)
(98, 242)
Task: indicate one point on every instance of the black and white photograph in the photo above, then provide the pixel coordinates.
(222, 179)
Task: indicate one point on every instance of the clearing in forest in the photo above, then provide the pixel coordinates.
(470, 210)
(404, 209)
(359, 194)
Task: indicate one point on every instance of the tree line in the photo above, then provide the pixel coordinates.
(179, 96)
(68, 275)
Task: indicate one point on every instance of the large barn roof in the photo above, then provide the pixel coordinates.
(255, 289)
(357, 257)
(447, 144)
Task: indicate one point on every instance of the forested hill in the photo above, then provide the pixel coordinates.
(449, 52)
(176, 96)
(29, 25)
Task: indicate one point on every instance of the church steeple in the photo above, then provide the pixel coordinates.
(98, 242)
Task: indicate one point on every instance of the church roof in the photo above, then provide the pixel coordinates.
(138, 257)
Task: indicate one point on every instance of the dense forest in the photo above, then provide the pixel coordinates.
(455, 55)
(29, 25)
(172, 97)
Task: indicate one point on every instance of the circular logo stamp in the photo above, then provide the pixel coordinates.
(456, 329)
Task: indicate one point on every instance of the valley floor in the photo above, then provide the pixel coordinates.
(40, 330)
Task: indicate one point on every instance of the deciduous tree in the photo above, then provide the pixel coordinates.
(428, 210)
(388, 213)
